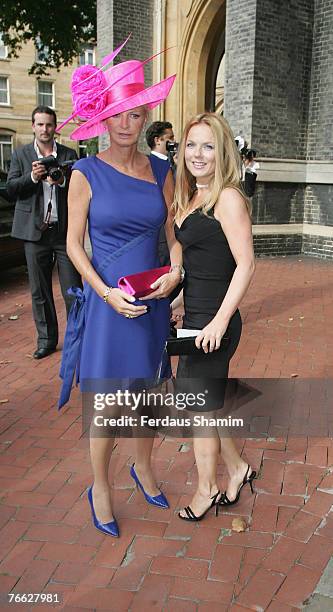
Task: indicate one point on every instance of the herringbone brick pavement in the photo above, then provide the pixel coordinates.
(47, 543)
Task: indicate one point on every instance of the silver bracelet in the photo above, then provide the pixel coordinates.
(181, 270)
(106, 294)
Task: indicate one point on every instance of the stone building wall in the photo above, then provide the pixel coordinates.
(282, 69)
(136, 17)
(278, 94)
(320, 130)
(239, 63)
(318, 204)
(290, 116)
(116, 19)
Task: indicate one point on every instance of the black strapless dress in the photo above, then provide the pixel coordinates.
(209, 267)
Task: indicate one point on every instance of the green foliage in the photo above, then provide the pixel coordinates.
(92, 146)
(58, 29)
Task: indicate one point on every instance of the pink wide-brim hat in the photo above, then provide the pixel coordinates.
(98, 94)
(129, 93)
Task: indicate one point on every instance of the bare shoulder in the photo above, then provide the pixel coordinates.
(231, 203)
(79, 185)
(232, 196)
(78, 178)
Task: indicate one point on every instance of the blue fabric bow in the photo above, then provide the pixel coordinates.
(72, 345)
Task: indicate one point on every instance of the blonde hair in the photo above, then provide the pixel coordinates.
(227, 166)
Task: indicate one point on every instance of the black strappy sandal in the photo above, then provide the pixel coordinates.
(225, 501)
(192, 517)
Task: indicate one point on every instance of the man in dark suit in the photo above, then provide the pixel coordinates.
(40, 219)
(157, 136)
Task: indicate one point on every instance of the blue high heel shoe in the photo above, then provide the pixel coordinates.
(108, 528)
(159, 500)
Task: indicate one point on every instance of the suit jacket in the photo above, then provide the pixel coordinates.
(163, 249)
(29, 209)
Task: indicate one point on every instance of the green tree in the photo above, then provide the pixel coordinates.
(92, 146)
(58, 29)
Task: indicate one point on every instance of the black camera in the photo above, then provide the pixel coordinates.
(248, 153)
(172, 147)
(53, 168)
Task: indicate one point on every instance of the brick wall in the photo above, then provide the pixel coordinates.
(318, 204)
(320, 132)
(277, 245)
(268, 67)
(239, 69)
(278, 203)
(318, 246)
(279, 91)
(278, 94)
(116, 19)
(282, 70)
(136, 17)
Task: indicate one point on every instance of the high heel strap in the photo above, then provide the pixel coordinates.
(225, 501)
(190, 513)
(214, 498)
(245, 479)
(193, 517)
(251, 479)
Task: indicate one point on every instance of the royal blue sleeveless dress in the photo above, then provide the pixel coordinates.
(107, 350)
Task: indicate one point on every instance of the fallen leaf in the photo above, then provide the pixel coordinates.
(238, 524)
(28, 355)
(13, 318)
(291, 318)
(20, 305)
(4, 401)
(5, 361)
(301, 317)
(293, 375)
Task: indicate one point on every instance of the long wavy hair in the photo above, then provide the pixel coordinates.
(227, 167)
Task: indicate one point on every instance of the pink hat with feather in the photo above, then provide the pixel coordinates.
(99, 93)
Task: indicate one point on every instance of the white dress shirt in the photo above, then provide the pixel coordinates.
(48, 192)
(160, 155)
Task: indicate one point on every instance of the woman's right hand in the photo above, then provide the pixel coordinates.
(121, 303)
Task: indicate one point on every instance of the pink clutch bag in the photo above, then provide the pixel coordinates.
(139, 284)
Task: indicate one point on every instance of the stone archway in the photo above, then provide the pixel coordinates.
(202, 48)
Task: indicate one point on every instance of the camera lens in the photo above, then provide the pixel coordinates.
(171, 146)
(55, 174)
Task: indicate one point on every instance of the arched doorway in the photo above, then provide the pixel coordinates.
(202, 50)
(219, 89)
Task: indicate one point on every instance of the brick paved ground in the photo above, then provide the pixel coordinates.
(47, 542)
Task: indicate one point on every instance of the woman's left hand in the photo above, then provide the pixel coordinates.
(164, 285)
(210, 336)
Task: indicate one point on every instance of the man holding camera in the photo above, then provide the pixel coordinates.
(37, 181)
(158, 136)
(250, 166)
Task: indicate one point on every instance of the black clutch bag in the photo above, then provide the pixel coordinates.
(186, 346)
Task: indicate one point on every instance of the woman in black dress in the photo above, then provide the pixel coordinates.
(212, 222)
